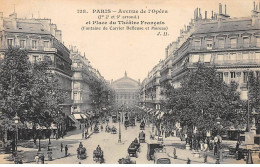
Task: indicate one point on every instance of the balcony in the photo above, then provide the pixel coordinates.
(78, 101)
(77, 69)
(156, 84)
(228, 46)
(238, 62)
(165, 78)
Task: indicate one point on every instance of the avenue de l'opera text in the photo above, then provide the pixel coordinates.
(109, 19)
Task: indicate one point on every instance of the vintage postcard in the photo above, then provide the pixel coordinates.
(129, 82)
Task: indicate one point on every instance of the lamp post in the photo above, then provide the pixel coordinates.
(253, 128)
(16, 121)
(119, 134)
(218, 140)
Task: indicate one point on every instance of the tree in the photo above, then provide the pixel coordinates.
(29, 90)
(15, 79)
(203, 97)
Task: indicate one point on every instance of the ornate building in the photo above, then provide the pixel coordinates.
(43, 41)
(126, 91)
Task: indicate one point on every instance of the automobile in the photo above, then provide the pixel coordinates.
(161, 157)
(150, 150)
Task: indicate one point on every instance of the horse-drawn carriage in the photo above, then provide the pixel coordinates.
(96, 129)
(134, 148)
(98, 155)
(114, 118)
(142, 125)
(113, 130)
(108, 129)
(132, 122)
(142, 137)
(126, 160)
(81, 152)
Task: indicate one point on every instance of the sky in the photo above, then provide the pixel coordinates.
(114, 52)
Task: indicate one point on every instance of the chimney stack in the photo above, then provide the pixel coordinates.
(220, 8)
(225, 9)
(254, 5)
(212, 14)
(206, 15)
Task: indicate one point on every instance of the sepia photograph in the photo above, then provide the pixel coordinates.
(129, 82)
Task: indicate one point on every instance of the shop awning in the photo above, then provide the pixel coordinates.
(77, 116)
(72, 118)
(83, 116)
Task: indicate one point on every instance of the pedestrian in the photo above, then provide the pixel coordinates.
(42, 158)
(36, 158)
(215, 148)
(66, 151)
(61, 147)
(201, 145)
(186, 138)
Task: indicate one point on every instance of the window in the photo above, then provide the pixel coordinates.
(197, 44)
(233, 74)
(22, 43)
(220, 57)
(9, 42)
(245, 56)
(195, 58)
(209, 44)
(221, 43)
(257, 55)
(220, 75)
(246, 42)
(258, 41)
(46, 44)
(34, 44)
(35, 58)
(207, 58)
(233, 56)
(245, 77)
(233, 42)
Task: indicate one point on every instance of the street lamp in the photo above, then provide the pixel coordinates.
(16, 121)
(218, 140)
(119, 134)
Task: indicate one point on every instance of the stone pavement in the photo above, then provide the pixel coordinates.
(183, 154)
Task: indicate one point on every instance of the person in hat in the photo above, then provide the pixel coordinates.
(61, 147)
(66, 150)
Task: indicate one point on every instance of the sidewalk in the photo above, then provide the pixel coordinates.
(183, 154)
(29, 154)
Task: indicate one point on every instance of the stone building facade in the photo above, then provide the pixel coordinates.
(43, 41)
(126, 91)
